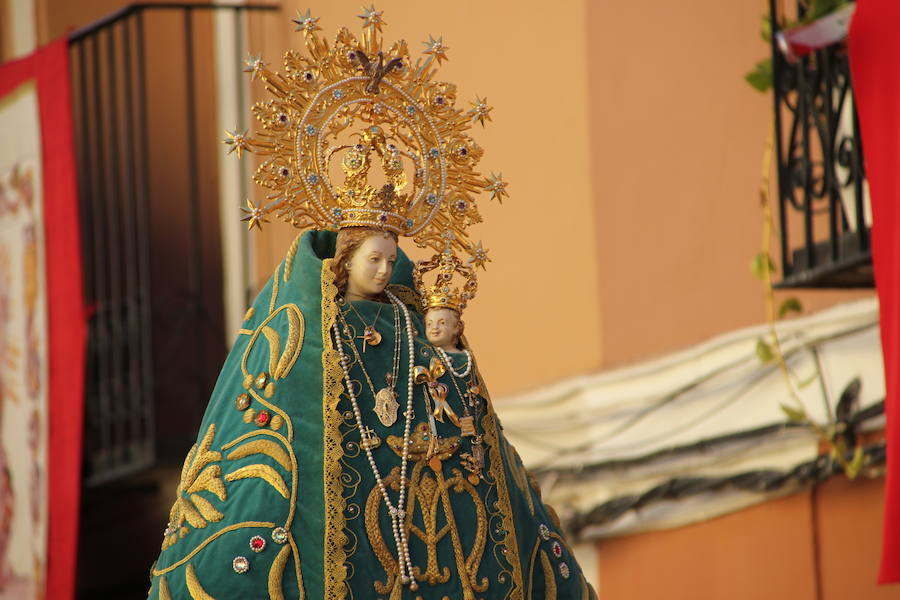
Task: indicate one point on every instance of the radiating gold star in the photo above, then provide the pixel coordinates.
(372, 18)
(480, 110)
(479, 256)
(436, 48)
(238, 142)
(255, 216)
(496, 186)
(254, 64)
(306, 22)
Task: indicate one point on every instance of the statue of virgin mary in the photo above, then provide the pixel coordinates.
(343, 455)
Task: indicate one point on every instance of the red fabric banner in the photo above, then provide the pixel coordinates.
(875, 68)
(48, 69)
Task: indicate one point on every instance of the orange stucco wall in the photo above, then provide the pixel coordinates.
(535, 319)
(632, 146)
(808, 546)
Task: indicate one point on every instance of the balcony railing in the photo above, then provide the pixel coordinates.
(823, 204)
(146, 146)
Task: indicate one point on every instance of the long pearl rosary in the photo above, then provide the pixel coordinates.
(398, 512)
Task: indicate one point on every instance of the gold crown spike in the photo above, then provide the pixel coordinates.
(441, 294)
(407, 164)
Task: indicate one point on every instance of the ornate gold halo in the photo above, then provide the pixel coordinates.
(355, 104)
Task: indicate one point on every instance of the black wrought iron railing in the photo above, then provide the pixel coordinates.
(823, 205)
(146, 144)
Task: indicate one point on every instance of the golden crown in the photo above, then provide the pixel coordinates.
(441, 294)
(410, 128)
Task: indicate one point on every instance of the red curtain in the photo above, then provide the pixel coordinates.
(48, 68)
(875, 68)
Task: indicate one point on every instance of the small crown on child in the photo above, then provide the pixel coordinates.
(440, 294)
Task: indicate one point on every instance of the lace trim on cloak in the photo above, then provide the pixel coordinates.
(335, 575)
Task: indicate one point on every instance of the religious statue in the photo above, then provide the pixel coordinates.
(350, 448)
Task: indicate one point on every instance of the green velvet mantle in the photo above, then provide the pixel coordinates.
(278, 483)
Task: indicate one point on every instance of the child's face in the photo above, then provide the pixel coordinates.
(442, 327)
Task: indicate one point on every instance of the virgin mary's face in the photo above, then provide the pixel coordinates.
(369, 269)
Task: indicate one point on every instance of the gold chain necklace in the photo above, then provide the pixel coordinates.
(370, 335)
(386, 405)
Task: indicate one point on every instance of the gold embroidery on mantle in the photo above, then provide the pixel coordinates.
(509, 543)
(281, 361)
(335, 555)
(264, 472)
(276, 573)
(164, 589)
(267, 447)
(549, 577)
(193, 585)
(430, 491)
(291, 457)
(207, 541)
(274, 297)
(197, 474)
(289, 257)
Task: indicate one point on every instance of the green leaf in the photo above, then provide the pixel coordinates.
(856, 464)
(765, 30)
(764, 351)
(789, 305)
(796, 415)
(821, 8)
(761, 75)
(759, 264)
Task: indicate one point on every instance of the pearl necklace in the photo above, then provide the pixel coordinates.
(449, 363)
(398, 512)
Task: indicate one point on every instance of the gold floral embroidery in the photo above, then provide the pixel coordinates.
(264, 472)
(549, 577)
(267, 447)
(276, 573)
(164, 589)
(193, 585)
(429, 491)
(291, 458)
(208, 540)
(289, 257)
(197, 474)
(510, 547)
(281, 361)
(335, 555)
(274, 297)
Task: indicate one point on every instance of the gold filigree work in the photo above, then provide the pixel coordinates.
(429, 493)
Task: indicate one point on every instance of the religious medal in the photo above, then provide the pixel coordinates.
(369, 439)
(371, 336)
(386, 406)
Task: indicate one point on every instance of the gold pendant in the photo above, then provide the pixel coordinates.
(467, 426)
(371, 336)
(435, 464)
(369, 439)
(386, 406)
